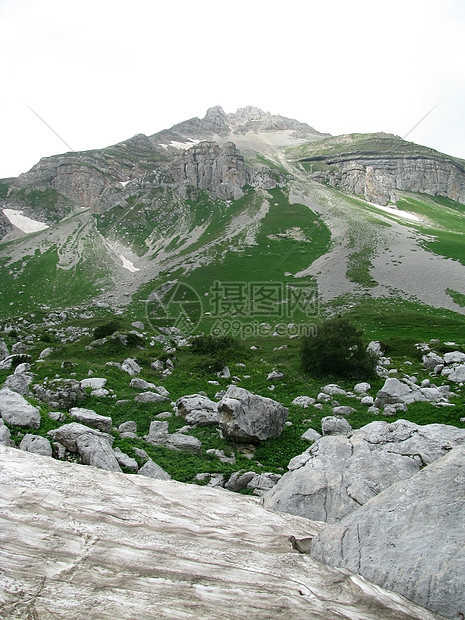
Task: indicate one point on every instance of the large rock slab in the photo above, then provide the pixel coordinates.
(409, 538)
(96, 451)
(338, 474)
(15, 410)
(247, 417)
(68, 435)
(141, 548)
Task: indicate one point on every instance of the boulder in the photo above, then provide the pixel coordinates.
(131, 367)
(249, 418)
(457, 374)
(152, 470)
(219, 454)
(368, 401)
(239, 480)
(60, 393)
(18, 383)
(198, 410)
(395, 391)
(376, 348)
(96, 451)
(69, 434)
(332, 389)
(311, 435)
(186, 443)
(141, 384)
(5, 435)
(94, 383)
(275, 375)
(92, 419)
(455, 357)
(4, 353)
(335, 425)
(362, 388)
(303, 401)
(36, 444)
(15, 410)
(128, 427)
(124, 460)
(150, 397)
(343, 410)
(409, 538)
(431, 360)
(261, 483)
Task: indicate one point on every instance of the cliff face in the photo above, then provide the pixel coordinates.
(377, 179)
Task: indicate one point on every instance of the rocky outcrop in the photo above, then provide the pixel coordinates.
(250, 418)
(379, 179)
(141, 548)
(409, 538)
(338, 474)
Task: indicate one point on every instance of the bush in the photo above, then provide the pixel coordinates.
(337, 349)
(215, 352)
(107, 329)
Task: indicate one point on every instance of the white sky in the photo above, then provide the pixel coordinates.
(100, 71)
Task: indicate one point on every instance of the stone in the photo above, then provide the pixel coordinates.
(157, 365)
(92, 419)
(128, 427)
(138, 325)
(142, 454)
(261, 483)
(124, 460)
(362, 388)
(303, 401)
(396, 391)
(275, 375)
(18, 383)
(5, 435)
(250, 418)
(225, 373)
(376, 348)
(131, 367)
(335, 425)
(22, 368)
(97, 452)
(45, 353)
(141, 384)
(409, 538)
(15, 410)
(60, 393)
(152, 470)
(311, 435)
(219, 454)
(213, 480)
(431, 360)
(69, 434)
(94, 383)
(239, 480)
(198, 410)
(455, 357)
(36, 444)
(368, 401)
(457, 374)
(343, 410)
(333, 390)
(58, 416)
(149, 548)
(4, 353)
(186, 443)
(150, 397)
(158, 432)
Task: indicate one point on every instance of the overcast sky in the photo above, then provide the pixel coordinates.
(100, 71)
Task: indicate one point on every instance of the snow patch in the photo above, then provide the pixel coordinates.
(397, 212)
(129, 265)
(25, 224)
(181, 145)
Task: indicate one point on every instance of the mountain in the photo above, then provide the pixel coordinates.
(248, 195)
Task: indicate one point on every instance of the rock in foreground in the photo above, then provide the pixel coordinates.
(156, 549)
(410, 538)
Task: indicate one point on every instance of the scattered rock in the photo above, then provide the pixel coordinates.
(239, 480)
(275, 375)
(131, 367)
(343, 410)
(455, 357)
(198, 410)
(126, 428)
(150, 397)
(93, 383)
(213, 480)
(58, 416)
(152, 470)
(4, 353)
(69, 434)
(92, 419)
(15, 410)
(362, 388)
(225, 373)
(367, 401)
(333, 390)
(60, 393)
(261, 483)
(18, 383)
(247, 417)
(303, 401)
(36, 444)
(141, 384)
(124, 460)
(335, 425)
(45, 353)
(5, 435)
(219, 454)
(311, 435)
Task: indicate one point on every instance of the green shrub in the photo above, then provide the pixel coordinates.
(214, 352)
(337, 349)
(107, 329)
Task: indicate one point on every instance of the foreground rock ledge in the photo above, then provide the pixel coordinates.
(78, 542)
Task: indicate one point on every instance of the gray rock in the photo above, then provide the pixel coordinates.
(150, 397)
(455, 357)
(362, 388)
(431, 360)
(60, 393)
(18, 383)
(94, 383)
(333, 390)
(157, 365)
(261, 483)
(249, 418)
(124, 460)
(457, 375)
(22, 368)
(409, 538)
(152, 470)
(311, 435)
(303, 401)
(138, 325)
(131, 367)
(186, 443)
(69, 434)
(4, 353)
(213, 480)
(376, 348)
(275, 375)
(96, 451)
(15, 410)
(225, 373)
(239, 480)
(36, 444)
(58, 416)
(92, 419)
(395, 391)
(142, 454)
(343, 410)
(5, 435)
(19, 348)
(198, 410)
(45, 353)
(334, 425)
(128, 427)
(141, 384)
(368, 401)
(219, 454)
